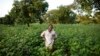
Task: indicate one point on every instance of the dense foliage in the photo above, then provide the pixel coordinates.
(63, 15)
(72, 40)
(27, 11)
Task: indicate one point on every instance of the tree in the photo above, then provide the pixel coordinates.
(96, 4)
(61, 15)
(87, 6)
(66, 14)
(27, 11)
(6, 20)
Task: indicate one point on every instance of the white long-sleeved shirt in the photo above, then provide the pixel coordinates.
(49, 36)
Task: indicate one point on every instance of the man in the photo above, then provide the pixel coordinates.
(49, 35)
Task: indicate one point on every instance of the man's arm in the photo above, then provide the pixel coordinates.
(55, 35)
(43, 35)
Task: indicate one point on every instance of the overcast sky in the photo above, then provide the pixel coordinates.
(6, 5)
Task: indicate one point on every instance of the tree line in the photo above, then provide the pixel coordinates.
(35, 11)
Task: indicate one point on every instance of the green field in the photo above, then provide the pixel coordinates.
(72, 40)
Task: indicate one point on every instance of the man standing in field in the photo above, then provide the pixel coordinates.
(49, 35)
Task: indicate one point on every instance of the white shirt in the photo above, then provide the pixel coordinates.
(49, 36)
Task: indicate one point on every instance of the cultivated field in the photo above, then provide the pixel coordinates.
(72, 40)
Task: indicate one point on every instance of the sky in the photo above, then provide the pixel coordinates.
(6, 5)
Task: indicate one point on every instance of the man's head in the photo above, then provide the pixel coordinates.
(50, 27)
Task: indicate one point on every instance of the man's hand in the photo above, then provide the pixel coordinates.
(53, 35)
(43, 38)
